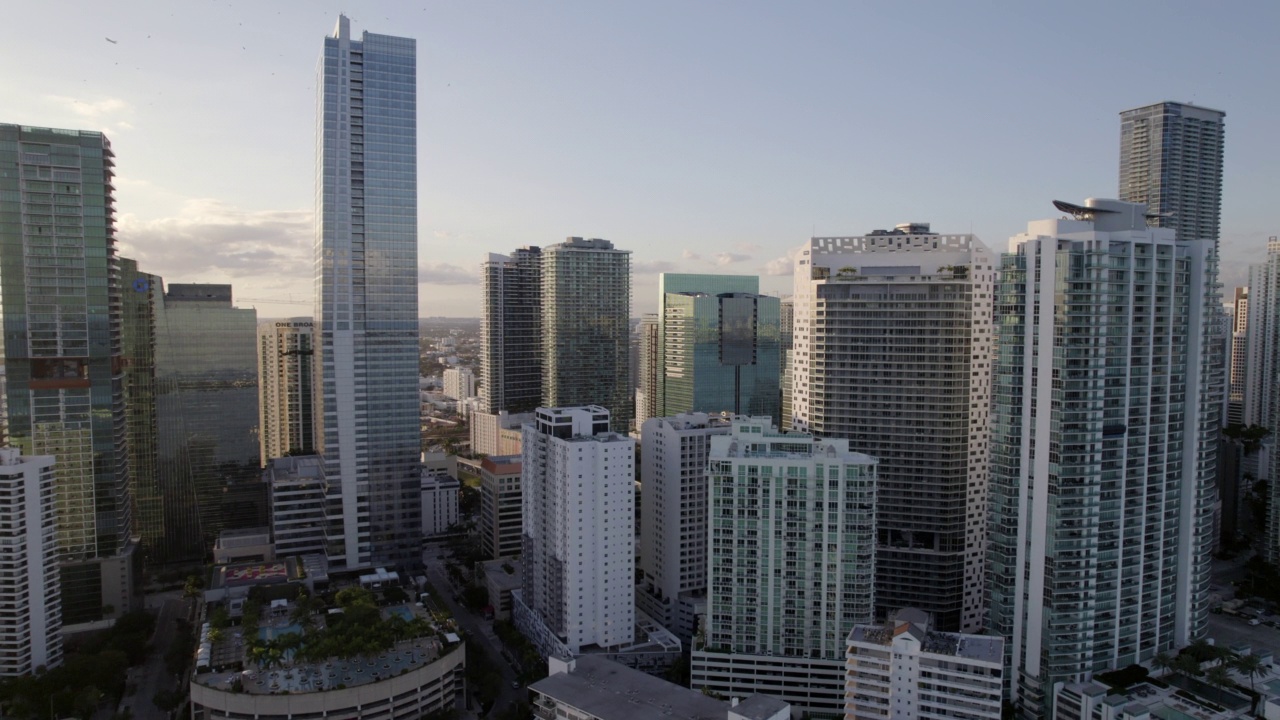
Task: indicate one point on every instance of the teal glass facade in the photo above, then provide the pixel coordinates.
(367, 297)
(719, 346)
(64, 390)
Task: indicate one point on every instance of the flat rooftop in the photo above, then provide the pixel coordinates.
(608, 690)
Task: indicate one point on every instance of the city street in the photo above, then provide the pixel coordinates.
(152, 676)
(474, 627)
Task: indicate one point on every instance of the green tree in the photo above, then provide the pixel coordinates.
(1163, 661)
(1218, 676)
(1186, 664)
(1250, 666)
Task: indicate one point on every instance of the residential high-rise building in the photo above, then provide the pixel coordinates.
(786, 333)
(63, 358)
(1104, 447)
(286, 387)
(31, 625)
(511, 332)
(586, 336)
(647, 374)
(673, 537)
(367, 297)
(459, 383)
(500, 506)
(893, 351)
(208, 457)
(138, 300)
(790, 566)
(1261, 386)
(1171, 161)
(906, 670)
(1237, 374)
(718, 346)
(579, 536)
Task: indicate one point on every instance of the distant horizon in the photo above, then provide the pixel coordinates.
(660, 126)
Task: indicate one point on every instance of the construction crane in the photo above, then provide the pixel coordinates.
(275, 301)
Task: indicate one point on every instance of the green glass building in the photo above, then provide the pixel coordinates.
(719, 346)
(209, 462)
(64, 390)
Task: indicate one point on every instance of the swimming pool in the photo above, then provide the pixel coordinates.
(401, 610)
(271, 633)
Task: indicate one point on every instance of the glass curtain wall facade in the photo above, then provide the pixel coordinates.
(586, 328)
(367, 297)
(511, 332)
(139, 293)
(64, 370)
(895, 336)
(207, 414)
(720, 353)
(1104, 448)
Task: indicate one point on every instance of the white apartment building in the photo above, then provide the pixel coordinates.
(286, 387)
(791, 565)
(673, 503)
(1104, 451)
(579, 531)
(893, 338)
(904, 670)
(459, 383)
(31, 622)
(297, 485)
(439, 502)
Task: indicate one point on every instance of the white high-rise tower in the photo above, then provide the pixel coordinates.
(579, 531)
(1104, 447)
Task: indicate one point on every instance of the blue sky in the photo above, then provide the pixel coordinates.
(704, 136)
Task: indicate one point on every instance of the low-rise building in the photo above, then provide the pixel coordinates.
(297, 486)
(594, 688)
(501, 577)
(904, 670)
(248, 545)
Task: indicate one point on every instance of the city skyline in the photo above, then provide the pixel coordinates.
(527, 144)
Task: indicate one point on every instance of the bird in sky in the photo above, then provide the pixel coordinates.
(113, 42)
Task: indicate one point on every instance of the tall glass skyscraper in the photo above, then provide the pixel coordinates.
(1104, 448)
(586, 333)
(511, 332)
(209, 465)
(367, 296)
(64, 390)
(718, 346)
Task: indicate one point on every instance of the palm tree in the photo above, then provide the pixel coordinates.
(1250, 666)
(1186, 664)
(1163, 661)
(1218, 676)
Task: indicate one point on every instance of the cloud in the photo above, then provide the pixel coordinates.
(690, 255)
(725, 258)
(446, 274)
(107, 113)
(782, 266)
(646, 268)
(748, 247)
(211, 238)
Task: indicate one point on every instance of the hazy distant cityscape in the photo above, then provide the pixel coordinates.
(928, 479)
